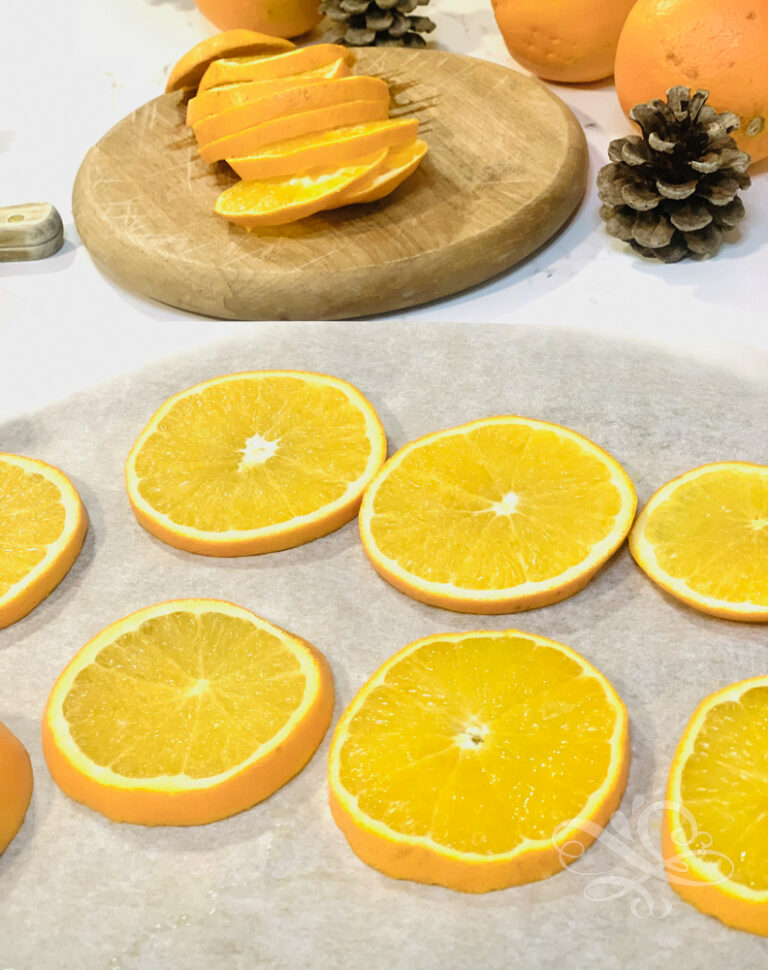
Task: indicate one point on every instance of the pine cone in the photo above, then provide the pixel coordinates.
(388, 23)
(673, 192)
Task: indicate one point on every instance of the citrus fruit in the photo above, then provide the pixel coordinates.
(478, 760)
(188, 70)
(218, 99)
(718, 45)
(494, 516)
(236, 70)
(714, 838)
(254, 462)
(15, 785)
(327, 149)
(292, 101)
(293, 126)
(703, 537)
(401, 161)
(278, 201)
(42, 527)
(184, 713)
(282, 18)
(562, 40)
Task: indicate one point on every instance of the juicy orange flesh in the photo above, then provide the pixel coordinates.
(479, 744)
(247, 453)
(333, 137)
(724, 785)
(243, 68)
(183, 694)
(271, 195)
(494, 507)
(31, 518)
(712, 532)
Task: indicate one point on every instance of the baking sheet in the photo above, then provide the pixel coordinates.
(277, 887)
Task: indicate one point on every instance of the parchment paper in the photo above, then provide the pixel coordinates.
(277, 887)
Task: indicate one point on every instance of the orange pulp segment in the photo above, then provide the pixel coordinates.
(401, 161)
(235, 70)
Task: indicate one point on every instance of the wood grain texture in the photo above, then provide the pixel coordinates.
(506, 168)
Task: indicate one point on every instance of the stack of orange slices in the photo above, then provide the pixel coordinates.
(303, 133)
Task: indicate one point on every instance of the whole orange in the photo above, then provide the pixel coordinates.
(562, 40)
(718, 45)
(279, 18)
(15, 785)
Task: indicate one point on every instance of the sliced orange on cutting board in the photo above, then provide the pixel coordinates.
(254, 462)
(236, 70)
(184, 713)
(291, 101)
(499, 515)
(401, 161)
(231, 95)
(479, 760)
(293, 126)
(42, 527)
(189, 69)
(714, 836)
(326, 149)
(15, 785)
(278, 201)
(703, 538)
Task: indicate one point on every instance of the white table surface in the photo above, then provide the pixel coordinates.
(70, 71)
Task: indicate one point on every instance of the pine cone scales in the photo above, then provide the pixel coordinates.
(364, 23)
(672, 192)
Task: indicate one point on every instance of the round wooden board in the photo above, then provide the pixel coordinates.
(506, 168)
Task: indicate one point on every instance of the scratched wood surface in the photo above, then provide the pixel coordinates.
(506, 168)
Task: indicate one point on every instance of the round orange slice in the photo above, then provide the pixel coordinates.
(714, 838)
(478, 760)
(499, 515)
(189, 69)
(401, 162)
(184, 713)
(236, 70)
(254, 462)
(42, 527)
(231, 95)
(278, 201)
(703, 538)
(15, 785)
(339, 146)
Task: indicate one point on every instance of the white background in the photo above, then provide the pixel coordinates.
(70, 70)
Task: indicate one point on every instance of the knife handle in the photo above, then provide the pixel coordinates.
(32, 230)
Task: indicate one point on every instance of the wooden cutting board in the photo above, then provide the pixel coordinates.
(506, 168)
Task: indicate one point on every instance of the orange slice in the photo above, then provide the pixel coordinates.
(235, 70)
(281, 129)
(189, 69)
(495, 516)
(471, 760)
(336, 147)
(703, 537)
(294, 100)
(229, 96)
(279, 201)
(15, 785)
(714, 838)
(42, 527)
(254, 462)
(184, 713)
(401, 161)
